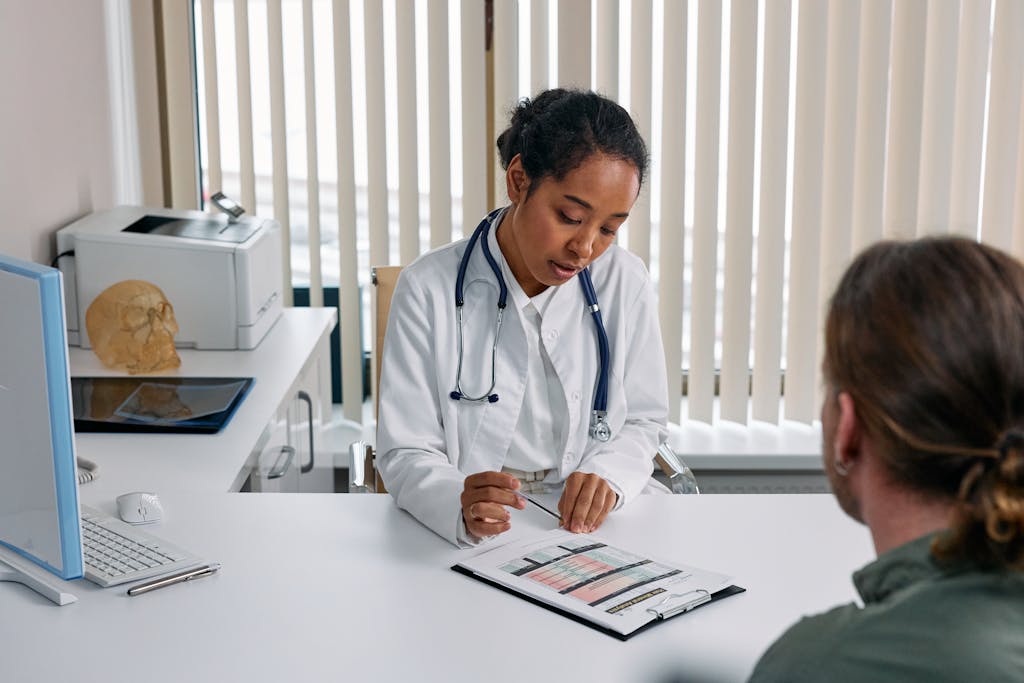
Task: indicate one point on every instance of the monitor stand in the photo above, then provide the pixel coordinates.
(15, 568)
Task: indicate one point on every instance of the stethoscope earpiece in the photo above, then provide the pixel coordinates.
(456, 396)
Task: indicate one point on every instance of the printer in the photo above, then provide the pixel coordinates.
(222, 274)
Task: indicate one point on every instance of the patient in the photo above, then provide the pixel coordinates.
(923, 429)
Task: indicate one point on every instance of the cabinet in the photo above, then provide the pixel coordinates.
(286, 406)
(290, 457)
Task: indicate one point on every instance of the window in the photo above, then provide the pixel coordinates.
(784, 137)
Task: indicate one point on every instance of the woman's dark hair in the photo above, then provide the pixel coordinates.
(927, 337)
(558, 130)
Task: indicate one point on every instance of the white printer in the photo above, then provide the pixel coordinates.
(222, 275)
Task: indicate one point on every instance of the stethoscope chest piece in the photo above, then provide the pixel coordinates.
(599, 428)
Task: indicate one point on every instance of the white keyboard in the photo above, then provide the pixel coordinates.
(116, 552)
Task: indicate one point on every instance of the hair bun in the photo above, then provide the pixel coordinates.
(524, 112)
(1010, 440)
(558, 129)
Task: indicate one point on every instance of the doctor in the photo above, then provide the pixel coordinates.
(492, 378)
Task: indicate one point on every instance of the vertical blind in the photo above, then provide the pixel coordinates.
(785, 136)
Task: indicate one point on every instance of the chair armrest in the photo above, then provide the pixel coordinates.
(680, 477)
(360, 468)
(362, 472)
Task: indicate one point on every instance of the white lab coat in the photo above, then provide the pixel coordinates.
(427, 443)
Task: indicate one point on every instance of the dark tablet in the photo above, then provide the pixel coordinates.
(175, 405)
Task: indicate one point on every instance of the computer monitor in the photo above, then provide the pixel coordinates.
(39, 514)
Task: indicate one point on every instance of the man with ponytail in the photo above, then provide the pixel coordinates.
(923, 439)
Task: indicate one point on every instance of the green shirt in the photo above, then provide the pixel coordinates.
(920, 622)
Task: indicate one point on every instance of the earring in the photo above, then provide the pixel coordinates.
(842, 467)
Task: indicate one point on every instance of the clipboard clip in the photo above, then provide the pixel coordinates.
(700, 596)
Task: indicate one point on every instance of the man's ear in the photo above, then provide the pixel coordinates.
(516, 181)
(849, 434)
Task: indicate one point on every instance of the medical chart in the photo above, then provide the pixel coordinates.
(585, 576)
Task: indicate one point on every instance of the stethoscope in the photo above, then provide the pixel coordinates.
(599, 428)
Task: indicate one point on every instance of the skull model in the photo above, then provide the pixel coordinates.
(131, 327)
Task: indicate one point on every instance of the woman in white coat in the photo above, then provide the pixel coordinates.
(574, 166)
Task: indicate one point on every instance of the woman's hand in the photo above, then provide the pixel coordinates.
(484, 497)
(586, 501)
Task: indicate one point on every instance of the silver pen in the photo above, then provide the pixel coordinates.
(170, 580)
(530, 499)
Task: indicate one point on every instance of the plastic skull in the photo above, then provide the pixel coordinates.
(131, 327)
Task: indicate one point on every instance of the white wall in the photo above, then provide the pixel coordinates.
(55, 137)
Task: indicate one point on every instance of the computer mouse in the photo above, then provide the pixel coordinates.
(139, 508)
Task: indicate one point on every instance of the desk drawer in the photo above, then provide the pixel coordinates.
(275, 467)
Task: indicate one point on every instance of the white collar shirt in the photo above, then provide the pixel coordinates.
(539, 437)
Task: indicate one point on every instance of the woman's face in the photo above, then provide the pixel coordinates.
(548, 237)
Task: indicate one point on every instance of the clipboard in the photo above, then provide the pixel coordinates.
(664, 615)
(608, 588)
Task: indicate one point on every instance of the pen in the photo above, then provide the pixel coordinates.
(542, 507)
(187, 575)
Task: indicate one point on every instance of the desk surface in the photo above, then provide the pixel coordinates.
(332, 587)
(200, 462)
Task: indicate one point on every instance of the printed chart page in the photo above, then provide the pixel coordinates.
(581, 574)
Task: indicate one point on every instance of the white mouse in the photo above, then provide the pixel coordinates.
(139, 508)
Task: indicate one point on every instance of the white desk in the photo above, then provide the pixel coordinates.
(347, 587)
(297, 342)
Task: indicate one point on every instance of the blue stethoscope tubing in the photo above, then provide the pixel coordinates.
(599, 428)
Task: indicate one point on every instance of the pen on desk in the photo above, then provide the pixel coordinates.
(530, 499)
(180, 577)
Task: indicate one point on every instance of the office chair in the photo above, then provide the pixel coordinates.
(362, 474)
